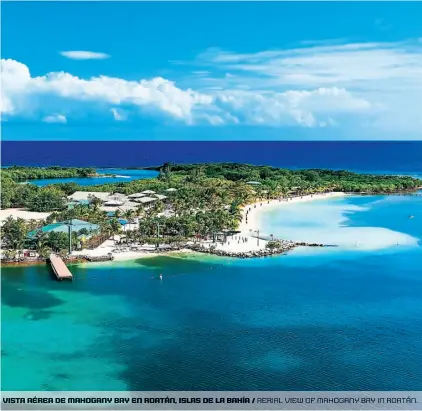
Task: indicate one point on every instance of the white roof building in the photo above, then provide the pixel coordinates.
(137, 195)
(146, 200)
(160, 196)
(117, 196)
(171, 190)
(148, 192)
(114, 203)
(87, 195)
(129, 206)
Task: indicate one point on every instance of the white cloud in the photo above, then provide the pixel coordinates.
(119, 115)
(20, 90)
(383, 80)
(84, 55)
(319, 66)
(55, 118)
(305, 108)
(372, 86)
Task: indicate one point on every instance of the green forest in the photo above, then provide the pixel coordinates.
(198, 185)
(19, 173)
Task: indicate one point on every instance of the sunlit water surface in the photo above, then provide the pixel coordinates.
(345, 318)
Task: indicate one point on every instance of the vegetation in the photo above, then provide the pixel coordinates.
(207, 199)
(273, 245)
(198, 186)
(38, 198)
(17, 173)
(13, 233)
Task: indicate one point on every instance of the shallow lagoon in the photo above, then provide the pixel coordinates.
(121, 175)
(332, 319)
(367, 222)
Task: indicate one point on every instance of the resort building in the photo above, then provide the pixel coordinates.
(136, 195)
(129, 205)
(63, 227)
(146, 200)
(112, 202)
(79, 196)
(72, 204)
(160, 197)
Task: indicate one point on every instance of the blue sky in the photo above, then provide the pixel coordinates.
(259, 71)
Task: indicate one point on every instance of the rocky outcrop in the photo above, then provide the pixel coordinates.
(283, 249)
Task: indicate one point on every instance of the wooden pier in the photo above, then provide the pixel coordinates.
(59, 268)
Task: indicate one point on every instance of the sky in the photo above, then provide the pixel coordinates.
(211, 71)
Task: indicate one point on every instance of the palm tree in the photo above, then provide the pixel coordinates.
(140, 211)
(96, 203)
(9, 254)
(45, 252)
(42, 247)
(158, 207)
(129, 215)
(130, 237)
(63, 253)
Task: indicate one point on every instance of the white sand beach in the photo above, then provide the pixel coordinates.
(322, 224)
(125, 253)
(244, 242)
(256, 208)
(251, 228)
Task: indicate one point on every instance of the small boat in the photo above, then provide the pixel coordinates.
(411, 216)
(161, 277)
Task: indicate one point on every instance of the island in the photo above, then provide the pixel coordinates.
(209, 208)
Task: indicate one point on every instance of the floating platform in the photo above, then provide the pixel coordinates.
(59, 268)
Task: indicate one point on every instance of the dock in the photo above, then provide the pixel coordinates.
(59, 268)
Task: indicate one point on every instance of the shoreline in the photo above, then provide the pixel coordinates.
(255, 209)
(242, 245)
(245, 244)
(132, 256)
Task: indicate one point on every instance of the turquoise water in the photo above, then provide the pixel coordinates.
(122, 176)
(346, 318)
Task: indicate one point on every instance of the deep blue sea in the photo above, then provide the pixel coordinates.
(345, 318)
(396, 157)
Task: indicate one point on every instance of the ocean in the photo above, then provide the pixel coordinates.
(370, 156)
(344, 318)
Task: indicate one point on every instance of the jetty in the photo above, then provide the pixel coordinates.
(285, 246)
(59, 268)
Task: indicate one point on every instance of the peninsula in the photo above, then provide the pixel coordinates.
(201, 207)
